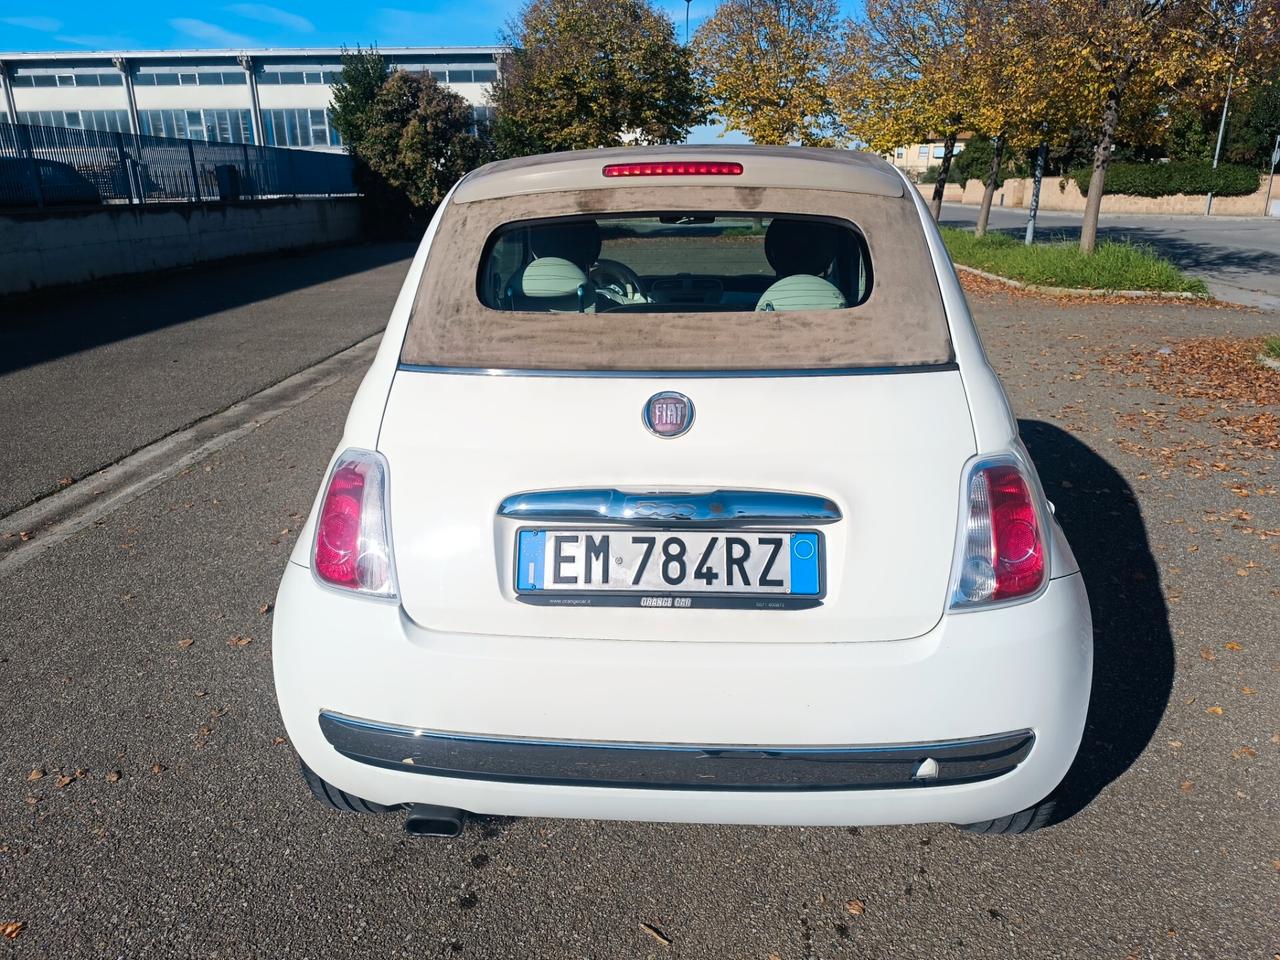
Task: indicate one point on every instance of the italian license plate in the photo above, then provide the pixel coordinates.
(658, 564)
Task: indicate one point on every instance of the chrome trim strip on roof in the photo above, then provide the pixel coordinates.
(684, 374)
(674, 766)
(668, 508)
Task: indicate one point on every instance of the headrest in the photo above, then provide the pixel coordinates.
(548, 277)
(577, 242)
(800, 246)
(802, 292)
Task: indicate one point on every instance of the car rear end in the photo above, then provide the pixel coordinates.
(728, 531)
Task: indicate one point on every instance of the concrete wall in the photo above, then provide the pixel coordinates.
(40, 249)
(1060, 193)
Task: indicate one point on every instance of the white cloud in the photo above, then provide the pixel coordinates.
(272, 15)
(211, 33)
(97, 41)
(43, 24)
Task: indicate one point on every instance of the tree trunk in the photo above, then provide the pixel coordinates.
(948, 151)
(984, 211)
(1101, 157)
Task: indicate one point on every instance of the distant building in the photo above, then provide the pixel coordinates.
(914, 159)
(276, 97)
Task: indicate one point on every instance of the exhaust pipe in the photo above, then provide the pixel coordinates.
(428, 820)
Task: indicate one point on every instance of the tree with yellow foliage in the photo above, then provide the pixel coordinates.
(766, 65)
(905, 75)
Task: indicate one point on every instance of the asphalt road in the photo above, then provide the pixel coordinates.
(1238, 257)
(183, 829)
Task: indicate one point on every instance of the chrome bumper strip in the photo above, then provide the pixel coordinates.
(671, 765)
(727, 507)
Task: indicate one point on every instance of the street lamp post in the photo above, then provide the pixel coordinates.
(687, 5)
(1222, 124)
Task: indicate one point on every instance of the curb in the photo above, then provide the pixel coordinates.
(1080, 291)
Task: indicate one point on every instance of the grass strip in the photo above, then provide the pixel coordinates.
(1114, 264)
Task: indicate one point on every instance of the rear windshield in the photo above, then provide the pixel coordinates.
(671, 279)
(679, 261)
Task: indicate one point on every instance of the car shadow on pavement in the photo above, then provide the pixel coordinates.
(1132, 643)
(43, 326)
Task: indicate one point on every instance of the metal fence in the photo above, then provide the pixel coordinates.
(46, 166)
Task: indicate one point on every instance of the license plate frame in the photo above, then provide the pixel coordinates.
(673, 598)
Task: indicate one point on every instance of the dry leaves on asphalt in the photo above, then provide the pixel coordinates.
(35, 775)
(185, 642)
(239, 640)
(856, 907)
(12, 928)
(1216, 711)
(114, 776)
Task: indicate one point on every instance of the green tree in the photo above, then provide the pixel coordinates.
(363, 74)
(592, 73)
(768, 66)
(420, 137)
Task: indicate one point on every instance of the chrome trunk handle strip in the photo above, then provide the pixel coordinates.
(665, 508)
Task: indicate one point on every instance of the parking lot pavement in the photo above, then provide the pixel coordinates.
(89, 375)
(168, 819)
(1238, 257)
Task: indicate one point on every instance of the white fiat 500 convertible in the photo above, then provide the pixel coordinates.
(681, 489)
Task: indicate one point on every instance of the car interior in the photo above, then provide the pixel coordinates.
(675, 262)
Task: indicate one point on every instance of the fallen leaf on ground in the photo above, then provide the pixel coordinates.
(1207, 654)
(265, 608)
(158, 768)
(35, 775)
(114, 776)
(657, 934)
(185, 642)
(1216, 711)
(239, 640)
(1186, 786)
(64, 781)
(856, 907)
(278, 741)
(1244, 753)
(1232, 645)
(1248, 691)
(12, 928)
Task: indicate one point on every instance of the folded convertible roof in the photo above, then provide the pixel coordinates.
(737, 166)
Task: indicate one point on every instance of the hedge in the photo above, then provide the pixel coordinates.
(1167, 179)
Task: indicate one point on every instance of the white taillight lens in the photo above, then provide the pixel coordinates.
(352, 548)
(1000, 550)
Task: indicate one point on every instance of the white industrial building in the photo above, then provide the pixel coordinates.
(276, 97)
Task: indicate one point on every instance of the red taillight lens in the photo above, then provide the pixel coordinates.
(1001, 550)
(352, 547)
(1019, 553)
(674, 168)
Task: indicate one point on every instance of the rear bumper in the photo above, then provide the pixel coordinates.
(670, 766)
(790, 733)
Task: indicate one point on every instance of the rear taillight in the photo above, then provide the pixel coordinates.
(1000, 550)
(352, 547)
(674, 168)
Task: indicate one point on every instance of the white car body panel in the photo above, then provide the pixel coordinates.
(460, 444)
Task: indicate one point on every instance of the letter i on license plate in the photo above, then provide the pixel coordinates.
(667, 562)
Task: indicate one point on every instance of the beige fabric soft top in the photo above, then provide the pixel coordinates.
(902, 323)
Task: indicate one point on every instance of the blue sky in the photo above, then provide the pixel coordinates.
(152, 24)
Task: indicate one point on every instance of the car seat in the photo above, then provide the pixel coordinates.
(555, 280)
(800, 252)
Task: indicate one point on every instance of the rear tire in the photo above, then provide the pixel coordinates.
(1024, 821)
(336, 799)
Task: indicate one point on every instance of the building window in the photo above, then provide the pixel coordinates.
(923, 152)
(485, 76)
(115, 121)
(296, 128)
(900, 153)
(216, 126)
(938, 152)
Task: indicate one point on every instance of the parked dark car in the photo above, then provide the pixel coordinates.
(60, 184)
